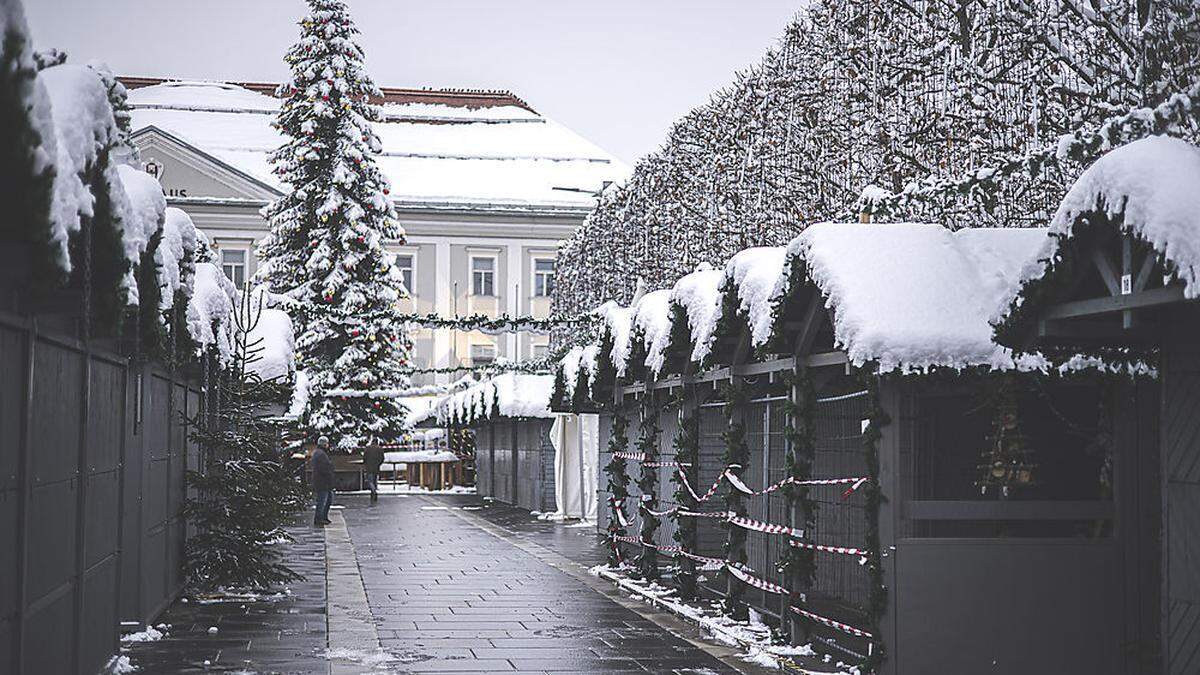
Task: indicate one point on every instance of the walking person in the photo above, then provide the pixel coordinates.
(372, 460)
(322, 481)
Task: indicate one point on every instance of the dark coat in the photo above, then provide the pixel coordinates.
(372, 459)
(322, 471)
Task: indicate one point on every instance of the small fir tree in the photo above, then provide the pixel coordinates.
(246, 495)
(325, 249)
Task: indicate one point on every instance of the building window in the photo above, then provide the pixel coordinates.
(541, 351)
(404, 261)
(483, 276)
(481, 355)
(543, 277)
(233, 264)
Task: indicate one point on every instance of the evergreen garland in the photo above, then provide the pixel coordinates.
(736, 456)
(647, 562)
(877, 598)
(799, 564)
(687, 453)
(499, 324)
(618, 484)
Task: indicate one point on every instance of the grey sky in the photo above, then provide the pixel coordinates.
(618, 72)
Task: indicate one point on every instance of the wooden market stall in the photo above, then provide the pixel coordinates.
(1118, 275)
(511, 419)
(839, 410)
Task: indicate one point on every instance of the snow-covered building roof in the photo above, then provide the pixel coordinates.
(439, 147)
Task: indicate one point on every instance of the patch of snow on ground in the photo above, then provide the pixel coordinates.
(120, 665)
(151, 634)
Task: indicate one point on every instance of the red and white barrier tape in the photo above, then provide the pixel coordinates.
(844, 550)
(723, 515)
(707, 495)
(845, 628)
(672, 464)
(659, 514)
(854, 483)
(744, 575)
(759, 526)
(635, 456)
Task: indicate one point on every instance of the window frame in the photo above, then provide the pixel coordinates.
(244, 264)
(538, 274)
(491, 274)
(412, 270)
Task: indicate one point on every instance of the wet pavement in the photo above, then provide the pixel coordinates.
(281, 634)
(444, 584)
(458, 587)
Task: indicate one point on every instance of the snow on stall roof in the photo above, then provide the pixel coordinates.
(699, 294)
(652, 321)
(73, 112)
(754, 272)
(147, 209)
(414, 456)
(210, 310)
(272, 337)
(505, 395)
(501, 154)
(914, 296)
(178, 243)
(618, 321)
(1154, 184)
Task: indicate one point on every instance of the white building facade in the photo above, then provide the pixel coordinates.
(484, 186)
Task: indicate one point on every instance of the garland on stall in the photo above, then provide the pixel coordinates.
(877, 598)
(618, 487)
(798, 564)
(499, 324)
(736, 456)
(648, 433)
(687, 454)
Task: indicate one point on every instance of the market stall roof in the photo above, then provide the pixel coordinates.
(514, 395)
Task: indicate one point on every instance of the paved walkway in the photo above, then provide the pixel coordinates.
(437, 584)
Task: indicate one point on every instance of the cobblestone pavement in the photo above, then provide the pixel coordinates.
(284, 635)
(435, 584)
(457, 585)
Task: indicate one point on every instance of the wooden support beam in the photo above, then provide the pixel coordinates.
(1108, 273)
(1093, 306)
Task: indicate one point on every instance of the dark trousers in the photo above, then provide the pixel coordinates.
(373, 482)
(324, 501)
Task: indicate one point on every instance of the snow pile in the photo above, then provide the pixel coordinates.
(652, 324)
(753, 272)
(210, 310)
(271, 340)
(913, 296)
(699, 294)
(175, 256)
(72, 111)
(617, 322)
(1154, 184)
(147, 210)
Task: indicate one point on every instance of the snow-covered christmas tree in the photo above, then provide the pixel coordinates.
(326, 246)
